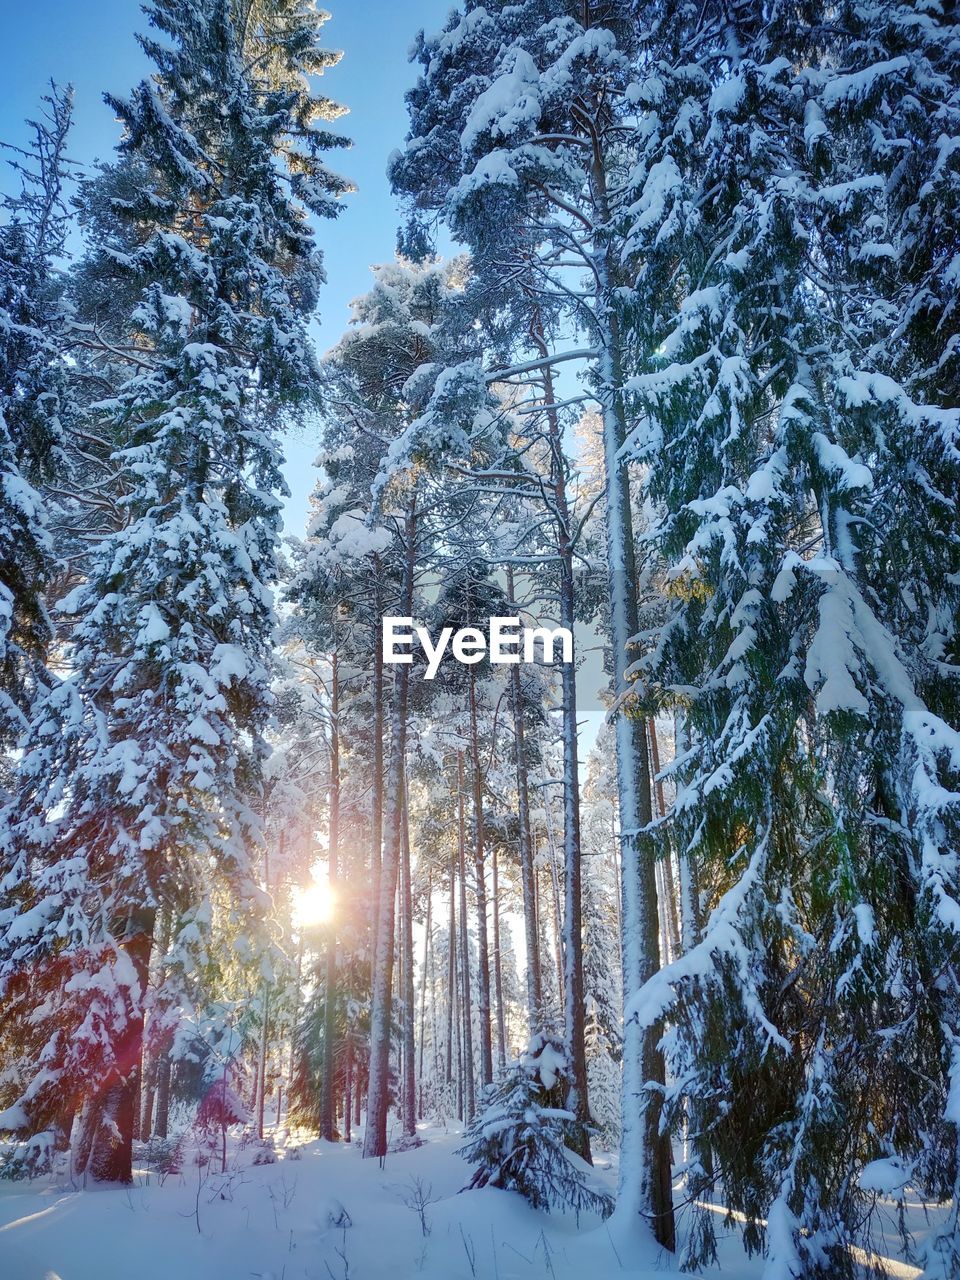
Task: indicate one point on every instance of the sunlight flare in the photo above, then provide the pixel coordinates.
(313, 904)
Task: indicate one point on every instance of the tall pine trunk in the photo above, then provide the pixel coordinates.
(376, 797)
(427, 956)
(483, 949)
(407, 993)
(469, 1088)
(531, 926)
(348, 1090)
(381, 1016)
(262, 1068)
(451, 967)
(327, 1090)
(498, 968)
(105, 1141)
(574, 1013)
(644, 1193)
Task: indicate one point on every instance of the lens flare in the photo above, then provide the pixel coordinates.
(312, 904)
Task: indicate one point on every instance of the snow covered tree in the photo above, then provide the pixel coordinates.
(521, 1138)
(338, 585)
(142, 774)
(818, 795)
(521, 130)
(408, 384)
(32, 383)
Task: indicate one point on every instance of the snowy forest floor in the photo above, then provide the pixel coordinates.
(326, 1213)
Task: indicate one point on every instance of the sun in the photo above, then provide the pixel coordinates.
(312, 904)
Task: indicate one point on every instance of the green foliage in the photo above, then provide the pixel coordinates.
(522, 1138)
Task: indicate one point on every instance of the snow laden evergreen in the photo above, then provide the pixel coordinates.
(140, 784)
(785, 414)
(410, 381)
(343, 570)
(32, 385)
(521, 1138)
(522, 127)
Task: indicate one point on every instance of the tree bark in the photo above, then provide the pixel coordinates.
(376, 799)
(557, 930)
(451, 967)
(531, 927)
(105, 1143)
(148, 1084)
(408, 994)
(498, 969)
(262, 1068)
(574, 1013)
(483, 950)
(164, 1069)
(645, 1192)
(327, 1093)
(348, 1090)
(378, 1088)
(470, 1100)
(423, 992)
(667, 894)
(686, 871)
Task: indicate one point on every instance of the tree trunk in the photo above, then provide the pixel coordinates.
(644, 1193)
(557, 930)
(262, 1069)
(164, 1068)
(409, 997)
(687, 877)
(155, 1049)
(423, 992)
(461, 1104)
(574, 1013)
(376, 798)
(470, 1099)
(105, 1144)
(348, 1090)
(295, 1017)
(483, 949)
(451, 967)
(667, 894)
(498, 968)
(327, 1119)
(378, 1088)
(531, 928)
(148, 1084)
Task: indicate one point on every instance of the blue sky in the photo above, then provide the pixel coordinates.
(90, 43)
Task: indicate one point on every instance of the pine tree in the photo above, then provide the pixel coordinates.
(770, 422)
(409, 381)
(521, 1137)
(522, 131)
(149, 755)
(32, 386)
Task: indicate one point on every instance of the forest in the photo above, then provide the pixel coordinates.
(657, 930)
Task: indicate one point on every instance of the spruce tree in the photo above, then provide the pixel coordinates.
(32, 393)
(142, 775)
(818, 796)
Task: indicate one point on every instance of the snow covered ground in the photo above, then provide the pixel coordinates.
(318, 1214)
